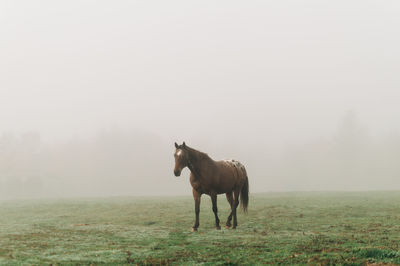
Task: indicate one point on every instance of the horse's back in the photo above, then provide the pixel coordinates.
(232, 171)
(236, 165)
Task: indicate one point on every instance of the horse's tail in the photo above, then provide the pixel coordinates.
(244, 194)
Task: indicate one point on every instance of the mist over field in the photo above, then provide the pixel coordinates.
(93, 94)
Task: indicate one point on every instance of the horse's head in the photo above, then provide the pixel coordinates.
(181, 158)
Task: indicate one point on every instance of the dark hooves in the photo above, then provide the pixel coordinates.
(218, 227)
(228, 226)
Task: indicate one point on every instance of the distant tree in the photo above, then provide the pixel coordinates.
(350, 133)
(352, 150)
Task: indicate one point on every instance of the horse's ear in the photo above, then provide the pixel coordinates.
(176, 145)
(184, 144)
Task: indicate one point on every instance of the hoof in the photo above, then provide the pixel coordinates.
(234, 227)
(218, 227)
(228, 226)
(193, 229)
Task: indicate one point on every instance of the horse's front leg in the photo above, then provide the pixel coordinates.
(196, 197)
(215, 210)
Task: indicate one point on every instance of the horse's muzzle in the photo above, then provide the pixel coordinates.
(177, 173)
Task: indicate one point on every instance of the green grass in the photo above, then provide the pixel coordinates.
(280, 228)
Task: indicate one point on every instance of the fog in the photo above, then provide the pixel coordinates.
(95, 93)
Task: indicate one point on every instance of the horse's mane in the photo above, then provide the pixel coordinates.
(197, 155)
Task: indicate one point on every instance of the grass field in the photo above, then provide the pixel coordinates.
(280, 228)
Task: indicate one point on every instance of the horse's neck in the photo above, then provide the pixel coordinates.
(198, 163)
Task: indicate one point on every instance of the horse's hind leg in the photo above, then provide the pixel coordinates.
(215, 210)
(229, 197)
(235, 205)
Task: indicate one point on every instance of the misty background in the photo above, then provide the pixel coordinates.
(93, 94)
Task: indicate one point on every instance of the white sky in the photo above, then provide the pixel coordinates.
(287, 70)
(247, 79)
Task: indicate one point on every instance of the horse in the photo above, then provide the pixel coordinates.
(213, 178)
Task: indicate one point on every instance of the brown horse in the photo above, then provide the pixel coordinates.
(212, 178)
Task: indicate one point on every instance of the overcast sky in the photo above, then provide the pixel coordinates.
(269, 72)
